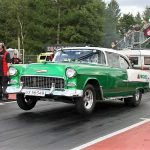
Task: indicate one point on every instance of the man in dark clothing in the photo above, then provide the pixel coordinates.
(4, 73)
(15, 59)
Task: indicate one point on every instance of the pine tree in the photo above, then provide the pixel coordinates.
(112, 16)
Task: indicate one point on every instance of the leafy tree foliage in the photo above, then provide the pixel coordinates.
(126, 23)
(112, 15)
(138, 19)
(41, 23)
(146, 13)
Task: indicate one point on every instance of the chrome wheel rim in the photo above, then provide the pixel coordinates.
(88, 99)
(137, 95)
(28, 100)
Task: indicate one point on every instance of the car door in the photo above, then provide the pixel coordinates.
(125, 66)
(116, 76)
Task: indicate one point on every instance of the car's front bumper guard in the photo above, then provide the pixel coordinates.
(52, 91)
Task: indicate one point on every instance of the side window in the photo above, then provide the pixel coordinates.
(42, 57)
(134, 60)
(101, 59)
(94, 58)
(113, 59)
(123, 63)
(146, 60)
(98, 57)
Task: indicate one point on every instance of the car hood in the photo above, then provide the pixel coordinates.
(45, 69)
(54, 69)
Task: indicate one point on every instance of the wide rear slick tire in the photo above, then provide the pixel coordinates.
(26, 102)
(86, 104)
(135, 100)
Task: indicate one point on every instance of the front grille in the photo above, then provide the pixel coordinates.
(42, 82)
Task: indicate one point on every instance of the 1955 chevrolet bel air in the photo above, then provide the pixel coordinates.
(79, 75)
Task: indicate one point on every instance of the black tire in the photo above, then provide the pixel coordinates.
(86, 104)
(135, 100)
(26, 103)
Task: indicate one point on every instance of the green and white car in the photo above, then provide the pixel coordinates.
(79, 75)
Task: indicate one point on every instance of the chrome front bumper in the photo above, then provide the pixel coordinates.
(52, 91)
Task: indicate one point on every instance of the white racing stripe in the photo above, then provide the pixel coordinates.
(111, 135)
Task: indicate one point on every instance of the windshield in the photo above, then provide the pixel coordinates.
(42, 57)
(83, 55)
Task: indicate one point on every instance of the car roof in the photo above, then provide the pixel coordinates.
(91, 48)
(95, 48)
(135, 52)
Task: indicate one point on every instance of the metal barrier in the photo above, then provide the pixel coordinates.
(132, 40)
(30, 59)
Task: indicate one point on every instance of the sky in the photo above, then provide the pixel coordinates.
(132, 6)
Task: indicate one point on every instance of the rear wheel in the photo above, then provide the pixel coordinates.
(86, 104)
(135, 100)
(26, 102)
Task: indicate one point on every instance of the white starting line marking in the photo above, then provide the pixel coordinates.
(3, 103)
(111, 134)
(10, 102)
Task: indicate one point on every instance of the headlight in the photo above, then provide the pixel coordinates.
(12, 71)
(70, 72)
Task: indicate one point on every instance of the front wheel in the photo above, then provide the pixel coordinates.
(135, 100)
(86, 104)
(26, 102)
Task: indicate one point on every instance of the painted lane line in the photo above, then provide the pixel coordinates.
(110, 135)
(10, 102)
(3, 103)
(145, 118)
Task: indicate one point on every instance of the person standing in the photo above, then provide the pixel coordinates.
(4, 73)
(15, 59)
(146, 28)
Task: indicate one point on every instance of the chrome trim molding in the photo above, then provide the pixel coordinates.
(40, 82)
(70, 84)
(52, 91)
(118, 97)
(13, 89)
(43, 76)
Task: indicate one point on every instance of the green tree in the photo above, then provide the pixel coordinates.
(5, 23)
(146, 13)
(126, 22)
(82, 22)
(112, 16)
(41, 23)
(138, 19)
